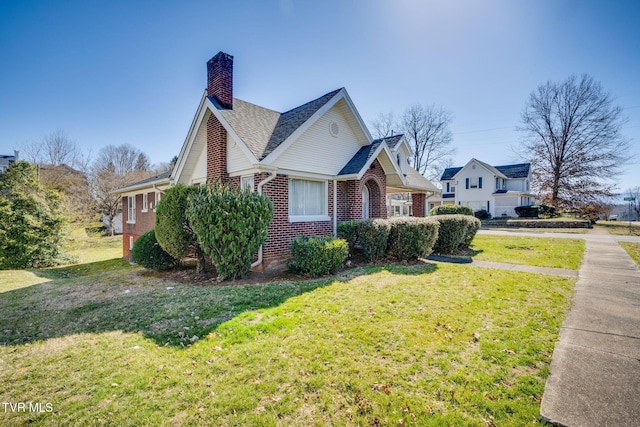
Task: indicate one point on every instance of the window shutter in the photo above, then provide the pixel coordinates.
(480, 182)
(466, 183)
(448, 187)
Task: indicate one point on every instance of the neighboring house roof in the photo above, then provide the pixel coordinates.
(158, 179)
(520, 170)
(449, 173)
(263, 130)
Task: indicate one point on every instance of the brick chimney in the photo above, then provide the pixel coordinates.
(220, 79)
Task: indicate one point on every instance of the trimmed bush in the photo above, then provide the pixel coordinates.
(173, 230)
(411, 238)
(347, 230)
(451, 210)
(527, 211)
(231, 224)
(148, 253)
(452, 232)
(482, 214)
(472, 230)
(317, 256)
(372, 236)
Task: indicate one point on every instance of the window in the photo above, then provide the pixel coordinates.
(158, 197)
(131, 209)
(473, 183)
(246, 182)
(307, 200)
(130, 242)
(145, 202)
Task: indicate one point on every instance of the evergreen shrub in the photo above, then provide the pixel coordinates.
(148, 253)
(230, 224)
(451, 210)
(452, 233)
(317, 256)
(372, 235)
(411, 238)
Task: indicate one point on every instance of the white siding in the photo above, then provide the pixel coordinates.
(236, 159)
(200, 170)
(194, 163)
(318, 151)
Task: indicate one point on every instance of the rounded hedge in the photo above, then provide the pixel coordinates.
(317, 256)
(454, 232)
(451, 210)
(148, 253)
(372, 236)
(411, 238)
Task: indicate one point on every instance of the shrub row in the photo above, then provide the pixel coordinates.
(451, 210)
(409, 238)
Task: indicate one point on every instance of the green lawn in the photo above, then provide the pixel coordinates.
(633, 249)
(535, 251)
(107, 343)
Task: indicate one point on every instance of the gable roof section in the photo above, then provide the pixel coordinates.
(449, 173)
(521, 170)
(162, 178)
(263, 130)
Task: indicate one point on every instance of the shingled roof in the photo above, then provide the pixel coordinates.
(360, 159)
(262, 129)
(449, 173)
(521, 170)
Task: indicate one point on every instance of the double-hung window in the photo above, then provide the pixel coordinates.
(307, 200)
(131, 209)
(145, 202)
(246, 183)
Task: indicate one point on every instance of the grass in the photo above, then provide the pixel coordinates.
(535, 251)
(112, 344)
(633, 249)
(620, 228)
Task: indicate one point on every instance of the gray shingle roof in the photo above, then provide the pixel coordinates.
(392, 141)
(361, 158)
(520, 170)
(263, 130)
(449, 173)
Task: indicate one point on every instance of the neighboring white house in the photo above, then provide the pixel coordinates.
(7, 160)
(496, 189)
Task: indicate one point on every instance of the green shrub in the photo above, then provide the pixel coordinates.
(231, 224)
(317, 256)
(411, 238)
(472, 229)
(482, 214)
(148, 253)
(372, 236)
(173, 229)
(347, 230)
(452, 232)
(451, 210)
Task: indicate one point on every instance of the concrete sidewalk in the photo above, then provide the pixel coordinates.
(595, 369)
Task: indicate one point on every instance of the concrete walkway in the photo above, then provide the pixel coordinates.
(595, 368)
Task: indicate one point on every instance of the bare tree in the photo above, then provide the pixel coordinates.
(383, 126)
(573, 140)
(116, 166)
(427, 130)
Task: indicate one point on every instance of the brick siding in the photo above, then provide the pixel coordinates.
(220, 79)
(216, 150)
(418, 202)
(145, 221)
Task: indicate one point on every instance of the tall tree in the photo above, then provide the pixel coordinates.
(116, 166)
(572, 136)
(31, 219)
(427, 131)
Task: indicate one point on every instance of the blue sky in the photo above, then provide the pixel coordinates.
(113, 72)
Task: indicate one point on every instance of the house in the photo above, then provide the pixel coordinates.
(7, 160)
(496, 189)
(317, 163)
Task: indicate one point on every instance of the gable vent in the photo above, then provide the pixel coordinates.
(334, 129)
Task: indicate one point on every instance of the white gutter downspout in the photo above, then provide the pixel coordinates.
(267, 180)
(335, 210)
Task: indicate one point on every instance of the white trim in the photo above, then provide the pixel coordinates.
(131, 242)
(188, 142)
(131, 207)
(309, 218)
(145, 202)
(383, 147)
